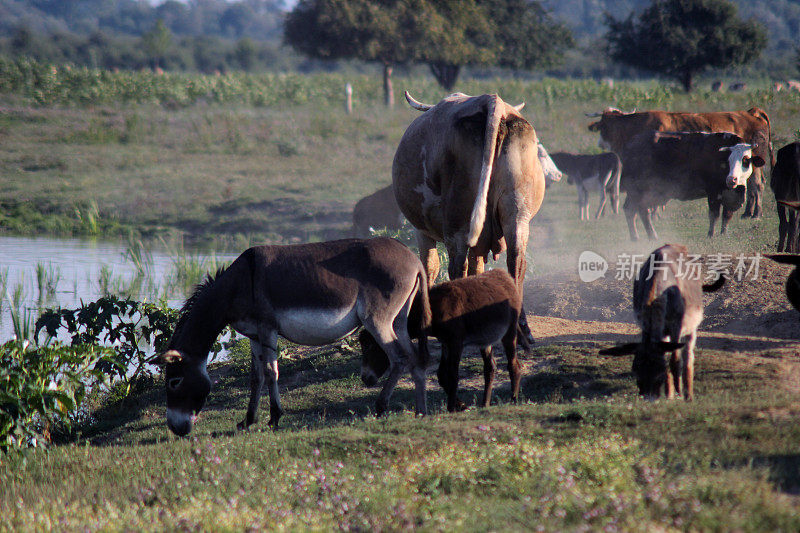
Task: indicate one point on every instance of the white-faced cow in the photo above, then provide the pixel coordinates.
(785, 184)
(668, 304)
(617, 129)
(660, 166)
(310, 294)
(467, 173)
(600, 172)
(378, 210)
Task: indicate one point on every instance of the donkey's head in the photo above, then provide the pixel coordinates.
(649, 363)
(188, 386)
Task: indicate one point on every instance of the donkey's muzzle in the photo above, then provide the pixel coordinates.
(179, 423)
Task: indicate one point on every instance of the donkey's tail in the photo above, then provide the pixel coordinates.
(425, 316)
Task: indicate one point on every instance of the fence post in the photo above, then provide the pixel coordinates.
(348, 98)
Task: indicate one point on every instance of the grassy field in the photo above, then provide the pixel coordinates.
(581, 452)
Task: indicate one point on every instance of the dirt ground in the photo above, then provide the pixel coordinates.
(750, 315)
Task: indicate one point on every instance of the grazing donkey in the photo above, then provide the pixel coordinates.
(668, 303)
(599, 172)
(479, 310)
(311, 294)
(377, 210)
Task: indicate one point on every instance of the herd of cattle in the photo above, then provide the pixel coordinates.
(470, 172)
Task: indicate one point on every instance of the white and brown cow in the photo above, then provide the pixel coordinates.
(467, 173)
(660, 166)
(668, 304)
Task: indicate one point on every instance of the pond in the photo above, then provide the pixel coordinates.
(40, 273)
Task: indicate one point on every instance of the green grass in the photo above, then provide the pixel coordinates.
(595, 457)
(225, 171)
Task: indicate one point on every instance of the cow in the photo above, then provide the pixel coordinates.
(617, 129)
(659, 166)
(551, 171)
(477, 310)
(785, 184)
(378, 210)
(668, 304)
(599, 172)
(467, 173)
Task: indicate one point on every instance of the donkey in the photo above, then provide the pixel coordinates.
(479, 310)
(668, 303)
(311, 294)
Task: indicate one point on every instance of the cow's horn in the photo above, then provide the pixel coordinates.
(172, 356)
(419, 106)
(519, 107)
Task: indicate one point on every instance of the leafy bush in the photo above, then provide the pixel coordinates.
(43, 386)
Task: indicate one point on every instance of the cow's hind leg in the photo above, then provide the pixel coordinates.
(514, 369)
(647, 221)
(517, 240)
(630, 216)
(489, 370)
(429, 256)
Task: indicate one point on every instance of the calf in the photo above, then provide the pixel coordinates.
(592, 173)
(785, 184)
(477, 310)
(377, 210)
(668, 304)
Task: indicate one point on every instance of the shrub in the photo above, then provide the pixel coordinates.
(43, 386)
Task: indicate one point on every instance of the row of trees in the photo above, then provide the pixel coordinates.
(675, 38)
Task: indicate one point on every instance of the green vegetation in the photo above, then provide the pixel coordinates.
(574, 457)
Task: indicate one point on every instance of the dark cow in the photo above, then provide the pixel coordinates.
(659, 166)
(617, 129)
(378, 210)
(479, 310)
(599, 172)
(785, 184)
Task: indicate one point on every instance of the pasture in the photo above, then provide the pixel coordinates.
(580, 452)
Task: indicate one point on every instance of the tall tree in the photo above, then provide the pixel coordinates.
(155, 42)
(445, 34)
(681, 38)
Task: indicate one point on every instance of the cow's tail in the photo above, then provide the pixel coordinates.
(494, 115)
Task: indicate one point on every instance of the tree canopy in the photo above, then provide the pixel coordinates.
(681, 38)
(445, 34)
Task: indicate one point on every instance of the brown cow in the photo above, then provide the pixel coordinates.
(668, 304)
(617, 129)
(479, 310)
(467, 173)
(378, 210)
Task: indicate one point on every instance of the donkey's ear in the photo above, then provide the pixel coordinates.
(622, 349)
(171, 356)
(789, 259)
(671, 346)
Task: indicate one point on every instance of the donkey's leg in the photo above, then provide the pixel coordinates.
(451, 358)
(688, 367)
(514, 370)
(270, 345)
(489, 368)
(256, 384)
